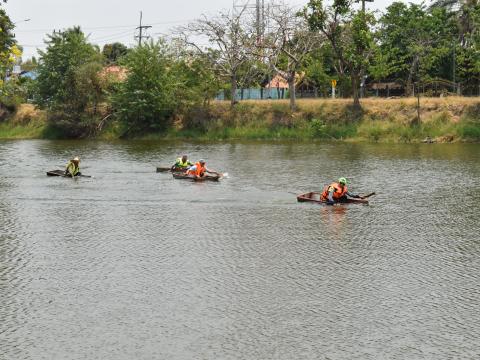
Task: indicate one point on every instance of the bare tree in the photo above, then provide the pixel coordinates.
(229, 45)
(290, 42)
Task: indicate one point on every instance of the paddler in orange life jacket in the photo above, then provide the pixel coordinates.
(337, 192)
(199, 169)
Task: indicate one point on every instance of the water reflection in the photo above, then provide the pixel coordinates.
(334, 220)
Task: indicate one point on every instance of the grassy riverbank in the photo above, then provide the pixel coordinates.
(25, 123)
(379, 120)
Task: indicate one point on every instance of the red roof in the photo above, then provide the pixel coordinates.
(115, 72)
(278, 81)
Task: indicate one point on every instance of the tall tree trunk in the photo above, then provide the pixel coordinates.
(355, 85)
(291, 89)
(411, 73)
(408, 86)
(233, 89)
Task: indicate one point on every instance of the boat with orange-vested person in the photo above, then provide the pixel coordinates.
(196, 178)
(316, 197)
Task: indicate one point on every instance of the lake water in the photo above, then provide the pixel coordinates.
(133, 264)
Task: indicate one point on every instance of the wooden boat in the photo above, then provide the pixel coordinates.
(62, 174)
(169, 169)
(177, 175)
(315, 198)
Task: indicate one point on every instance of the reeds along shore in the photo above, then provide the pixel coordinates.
(446, 119)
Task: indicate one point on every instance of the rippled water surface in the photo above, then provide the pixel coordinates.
(132, 264)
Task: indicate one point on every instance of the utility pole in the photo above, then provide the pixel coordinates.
(260, 18)
(363, 3)
(140, 28)
(259, 14)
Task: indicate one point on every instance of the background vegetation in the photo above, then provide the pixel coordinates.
(166, 88)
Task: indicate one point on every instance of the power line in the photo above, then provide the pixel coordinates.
(83, 28)
(106, 28)
(105, 37)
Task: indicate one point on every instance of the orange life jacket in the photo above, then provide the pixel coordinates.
(338, 191)
(199, 170)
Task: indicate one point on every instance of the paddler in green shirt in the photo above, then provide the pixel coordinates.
(182, 164)
(73, 167)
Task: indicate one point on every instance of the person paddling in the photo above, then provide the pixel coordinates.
(181, 164)
(337, 192)
(73, 167)
(199, 169)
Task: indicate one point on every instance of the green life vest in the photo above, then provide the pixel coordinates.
(72, 169)
(180, 163)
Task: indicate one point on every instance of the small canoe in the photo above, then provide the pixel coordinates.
(169, 169)
(62, 174)
(194, 178)
(315, 197)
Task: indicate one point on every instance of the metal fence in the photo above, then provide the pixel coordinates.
(432, 88)
(255, 94)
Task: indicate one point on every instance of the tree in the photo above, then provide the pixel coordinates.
(466, 49)
(149, 96)
(198, 82)
(317, 70)
(291, 42)
(464, 12)
(468, 56)
(113, 52)
(231, 45)
(62, 75)
(90, 87)
(9, 51)
(413, 43)
(11, 92)
(349, 33)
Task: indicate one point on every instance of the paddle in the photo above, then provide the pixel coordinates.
(163, 169)
(367, 196)
(217, 173)
(78, 175)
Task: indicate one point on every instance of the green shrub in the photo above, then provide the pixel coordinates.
(469, 130)
(374, 133)
(147, 99)
(332, 131)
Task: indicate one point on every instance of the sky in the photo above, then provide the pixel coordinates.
(107, 21)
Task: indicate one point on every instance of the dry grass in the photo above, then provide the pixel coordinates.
(398, 109)
(389, 120)
(27, 113)
(378, 120)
